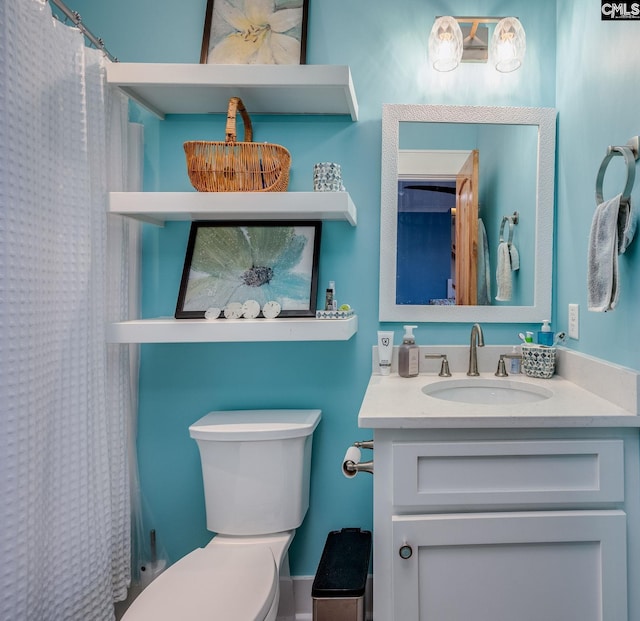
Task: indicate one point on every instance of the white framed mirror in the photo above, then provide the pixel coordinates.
(424, 207)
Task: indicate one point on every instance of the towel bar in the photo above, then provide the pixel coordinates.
(630, 152)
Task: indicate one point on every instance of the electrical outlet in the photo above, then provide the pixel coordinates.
(574, 321)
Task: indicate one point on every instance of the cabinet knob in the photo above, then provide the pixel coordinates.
(405, 551)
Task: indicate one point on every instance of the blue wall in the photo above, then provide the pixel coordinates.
(385, 44)
(424, 239)
(508, 179)
(598, 88)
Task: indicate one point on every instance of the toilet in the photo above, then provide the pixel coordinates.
(256, 470)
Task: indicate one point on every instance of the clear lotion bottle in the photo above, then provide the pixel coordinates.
(408, 354)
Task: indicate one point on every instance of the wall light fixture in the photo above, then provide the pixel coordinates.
(445, 44)
(466, 39)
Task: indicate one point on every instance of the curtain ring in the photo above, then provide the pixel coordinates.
(629, 158)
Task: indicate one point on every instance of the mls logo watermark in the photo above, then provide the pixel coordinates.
(620, 10)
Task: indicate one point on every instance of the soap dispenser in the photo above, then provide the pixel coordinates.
(515, 366)
(408, 354)
(545, 336)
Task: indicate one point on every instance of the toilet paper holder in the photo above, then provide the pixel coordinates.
(351, 463)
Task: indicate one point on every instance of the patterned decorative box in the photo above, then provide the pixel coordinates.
(334, 314)
(538, 360)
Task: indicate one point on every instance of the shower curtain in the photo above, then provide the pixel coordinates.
(65, 395)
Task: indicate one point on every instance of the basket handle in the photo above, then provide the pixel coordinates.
(235, 105)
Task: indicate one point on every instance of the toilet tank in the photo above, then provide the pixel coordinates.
(256, 467)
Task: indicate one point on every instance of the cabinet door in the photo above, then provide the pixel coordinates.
(525, 566)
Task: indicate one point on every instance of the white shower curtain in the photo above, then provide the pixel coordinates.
(65, 398)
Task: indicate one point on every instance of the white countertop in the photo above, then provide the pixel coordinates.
(397, 402)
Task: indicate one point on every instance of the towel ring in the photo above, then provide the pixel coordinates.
(630, 154)
(511, 220)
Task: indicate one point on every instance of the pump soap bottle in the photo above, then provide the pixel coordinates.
(408, 354)
(545, 336)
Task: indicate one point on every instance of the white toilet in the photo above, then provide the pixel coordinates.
(256, 469)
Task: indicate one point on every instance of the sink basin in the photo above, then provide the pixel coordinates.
(492, 391)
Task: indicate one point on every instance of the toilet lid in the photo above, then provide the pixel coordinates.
(226, 582)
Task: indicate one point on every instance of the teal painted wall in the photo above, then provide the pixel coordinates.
(384, 43)
(508, 180)
(598, 87)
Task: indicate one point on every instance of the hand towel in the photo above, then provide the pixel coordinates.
(484, 267)
(503, 273)
(612, 230)
(626, 226)
(514, 257)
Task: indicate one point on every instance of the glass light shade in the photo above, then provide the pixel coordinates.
(508, 45)
(445, 44)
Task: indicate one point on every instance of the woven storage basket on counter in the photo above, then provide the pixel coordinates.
(233, 166)
(538, 360)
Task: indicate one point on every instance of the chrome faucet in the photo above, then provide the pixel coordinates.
(477, 340)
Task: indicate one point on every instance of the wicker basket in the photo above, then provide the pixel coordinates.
(232, 166)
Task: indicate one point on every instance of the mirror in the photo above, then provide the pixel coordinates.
(443, 167)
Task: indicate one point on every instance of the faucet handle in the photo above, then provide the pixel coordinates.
(444, 369)
(502, 370)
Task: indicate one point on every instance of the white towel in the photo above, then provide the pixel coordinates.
(626, 226)
(514, 257)
(484, 267)
(612, 230)
(503, 273)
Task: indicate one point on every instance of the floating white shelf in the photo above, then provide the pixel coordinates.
(264, 89)
(205, 89)
(169, 330)
(157, 207)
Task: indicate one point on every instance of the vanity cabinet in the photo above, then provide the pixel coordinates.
(505, 525)
(202, 89)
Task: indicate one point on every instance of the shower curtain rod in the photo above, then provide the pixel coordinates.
(75, 17)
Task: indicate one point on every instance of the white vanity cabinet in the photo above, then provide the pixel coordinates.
(505, 524)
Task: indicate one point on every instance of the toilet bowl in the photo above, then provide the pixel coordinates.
(231, 578)
(256, 470)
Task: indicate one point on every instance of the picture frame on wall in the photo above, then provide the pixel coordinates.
(234, 261)
(248, 32)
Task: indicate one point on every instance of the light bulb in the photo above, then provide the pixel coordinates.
(508, 45)
(445, 44)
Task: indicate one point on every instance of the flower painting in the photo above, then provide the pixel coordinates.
(247, 32)
(238, 261)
